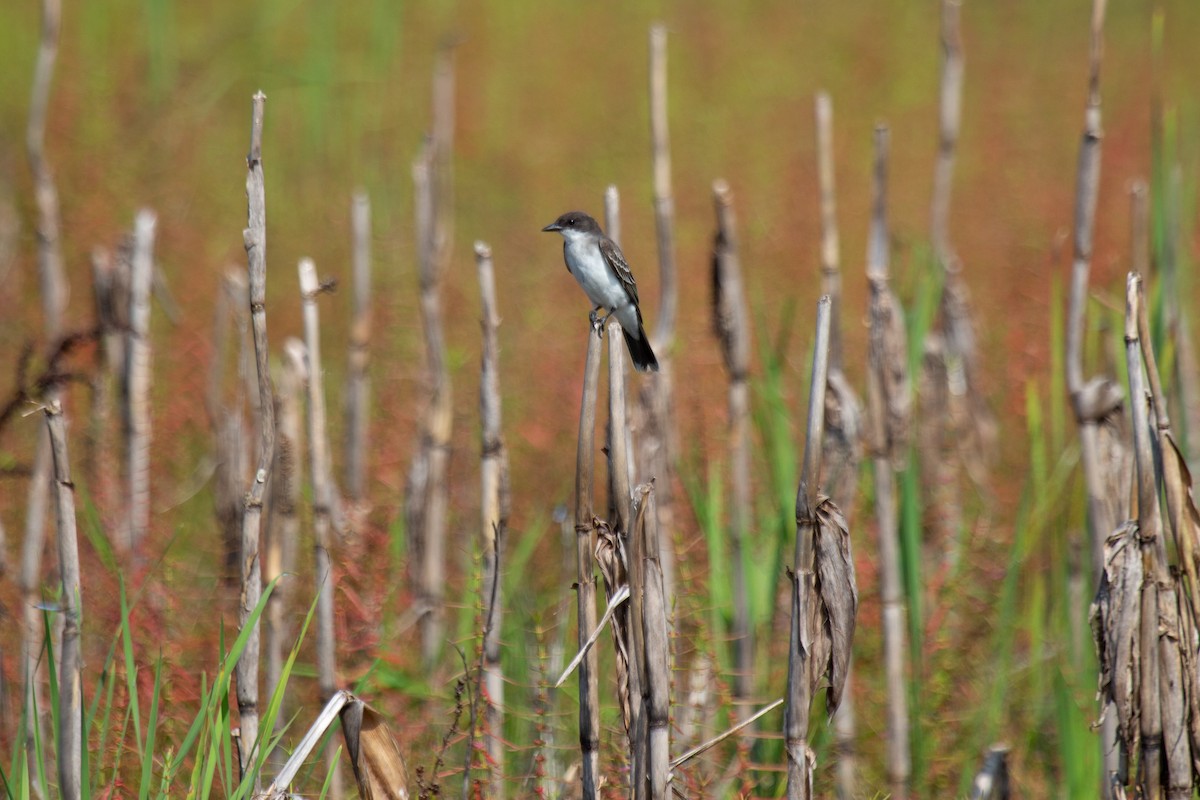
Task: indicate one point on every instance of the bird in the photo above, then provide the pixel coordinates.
(597, 264)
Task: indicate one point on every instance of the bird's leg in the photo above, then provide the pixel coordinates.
(598, 321)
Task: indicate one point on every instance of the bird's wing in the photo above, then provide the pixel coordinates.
(617, 263)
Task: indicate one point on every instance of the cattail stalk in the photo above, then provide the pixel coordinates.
(888, 401)
(254, 237)
(494, 505)
(358, 386)
(627, 626)
(1094, 401)
(948, 125)
(656, 650)
(842, 449)
(427, 488)
(585, 581)
(137, 380)
(657, 442)
(318, 450)
(227, 420)
(803, 669)
(283, 521)
(732, 328)
(70, 732)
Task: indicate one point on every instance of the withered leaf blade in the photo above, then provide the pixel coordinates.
(841, 446)
(379, 767)
(888, 357)
(1116, 627)
(838, 593)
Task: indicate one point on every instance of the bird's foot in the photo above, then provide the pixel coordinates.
(598, 321)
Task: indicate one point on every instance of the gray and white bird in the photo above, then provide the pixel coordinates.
(598, 265)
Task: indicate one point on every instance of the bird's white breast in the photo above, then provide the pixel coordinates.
(598, 280)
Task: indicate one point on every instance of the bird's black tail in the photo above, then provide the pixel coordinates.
(639, 350)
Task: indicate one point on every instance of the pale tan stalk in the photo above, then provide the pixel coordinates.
(137, 379)
(804, 598)
(732, 328)
(70, 683)
(254, 237)
(283, 521)
(358, 382)
(318, 449)
(585, 579)
(494, 505)
(887, 398)
(656, 650)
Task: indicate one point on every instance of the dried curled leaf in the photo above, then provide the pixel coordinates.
(379, 767)
(612, 561)
(1116, 628)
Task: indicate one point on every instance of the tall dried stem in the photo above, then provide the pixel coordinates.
(733, 333)
(70, 729)
(358, 386)
(318, 450)
(948, 125)
(654, 418)
(254, 237)
(283, 521)
(656, 648)
(137, 380)
(426, 492)
(494, 505)
(889, 400)
(841, 446)
(802, 672)
(585, 580)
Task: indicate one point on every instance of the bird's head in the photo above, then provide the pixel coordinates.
(573, 224)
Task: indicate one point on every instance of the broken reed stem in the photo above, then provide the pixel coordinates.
(656, 649)
(255, 239)
(730, 321)
(1087, 414)
(585, 581)
(1152, 550)
(831, 276)
(428, 482)
(283, 521)
(800, 757)
(442, 141)
(70, 733)
(623, 526)
(358, 386)
(318, 461)
(831, 286)
(53, 284)
(664, 201)
(137, 394)
(612, 214)
(949, 117)
(494, 504)
(227, 421)
(885, 361)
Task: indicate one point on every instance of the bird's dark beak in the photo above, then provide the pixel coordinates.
(553, 226)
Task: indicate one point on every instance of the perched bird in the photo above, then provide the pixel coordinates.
(597, 263)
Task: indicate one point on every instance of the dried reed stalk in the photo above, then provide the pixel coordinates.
(318, 452)
(656, 650)
(585, 581)
(824, 596)
(1096, 403)
(733, 332)
(283, 521)
(110, 292)
(358, 385)
(889, 400)
(53, 284)
(70, 683)
(227, 420)
(137, 381)
(842, 442)
(426, 491)
(254, 237)
(657, 442)
(494, 508)
(949, 118)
